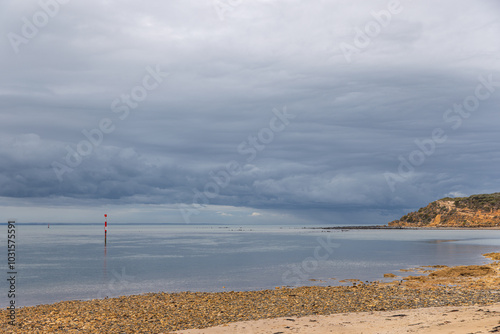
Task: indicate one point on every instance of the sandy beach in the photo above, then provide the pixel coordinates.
(457, 320)
(438, 299)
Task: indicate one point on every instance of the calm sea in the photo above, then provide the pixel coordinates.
(66, 262)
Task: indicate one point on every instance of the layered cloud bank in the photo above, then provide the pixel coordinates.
(322, 111)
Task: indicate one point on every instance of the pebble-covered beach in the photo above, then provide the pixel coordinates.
(166, 312)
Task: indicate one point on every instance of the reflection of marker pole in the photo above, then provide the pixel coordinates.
(105, 229)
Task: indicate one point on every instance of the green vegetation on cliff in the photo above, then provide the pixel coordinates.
(474, 211)
(477, 202)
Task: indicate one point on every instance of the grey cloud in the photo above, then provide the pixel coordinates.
(353, 121)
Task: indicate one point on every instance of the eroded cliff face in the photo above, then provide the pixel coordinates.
(474, 211)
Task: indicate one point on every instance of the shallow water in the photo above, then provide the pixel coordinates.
(69, 262)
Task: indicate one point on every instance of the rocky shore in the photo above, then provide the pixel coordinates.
(168, 312)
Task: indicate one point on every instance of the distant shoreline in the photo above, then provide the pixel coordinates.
(384, 227)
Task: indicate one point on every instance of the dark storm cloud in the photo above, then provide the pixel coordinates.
(170, 94)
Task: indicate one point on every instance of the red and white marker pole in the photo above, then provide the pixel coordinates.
(105, 229)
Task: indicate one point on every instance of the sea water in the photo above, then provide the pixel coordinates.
(67, 262)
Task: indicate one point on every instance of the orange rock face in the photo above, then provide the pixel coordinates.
(474, 211)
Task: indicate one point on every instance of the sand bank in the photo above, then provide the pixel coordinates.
(457, 320)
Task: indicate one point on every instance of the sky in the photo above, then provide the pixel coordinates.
(245, 112)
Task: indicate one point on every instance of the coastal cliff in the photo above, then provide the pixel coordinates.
(474, 211)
